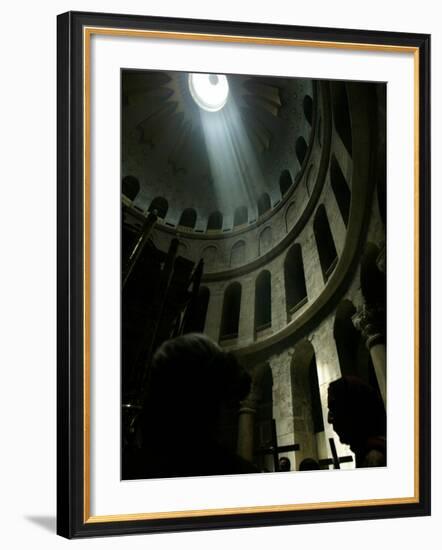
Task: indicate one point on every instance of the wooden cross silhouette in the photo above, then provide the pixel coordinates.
(335, 460)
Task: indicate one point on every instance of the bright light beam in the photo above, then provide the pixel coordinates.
(209, 91)
(237, 175)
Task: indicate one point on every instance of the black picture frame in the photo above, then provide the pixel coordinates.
(73, 519)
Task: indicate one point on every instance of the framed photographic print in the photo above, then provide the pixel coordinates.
(243, 274)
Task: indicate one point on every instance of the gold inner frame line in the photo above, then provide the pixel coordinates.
(87, 33)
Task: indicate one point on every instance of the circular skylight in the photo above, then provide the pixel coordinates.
(209, 91)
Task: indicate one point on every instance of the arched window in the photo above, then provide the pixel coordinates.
(263, 204)
(240, 217)
(201, 309)
(265, 240)
(263, 301)
(188, 218)
(215, 221)
(306, 398)
(238, 254)
(301, 149)
(324, 241)
(308, 108)
(231, 310)
(295, 288)
(341, 114)
(285, 182)
(340, 189)
(130, 187)
(161, 205)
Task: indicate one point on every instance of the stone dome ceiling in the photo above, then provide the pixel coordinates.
(213, 162)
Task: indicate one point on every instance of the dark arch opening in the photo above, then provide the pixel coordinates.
(340, 189)
(295, 287)
(215, 221)
(241, 216)
(308, 108)
(263, 204)
(188, 218)
(285, 182)
(347, 338)
(201, 309)
(324, 241)
(161, 205)
(263, 301)
(231, 310)
(341, 114)
(130, 187)
(301, 149)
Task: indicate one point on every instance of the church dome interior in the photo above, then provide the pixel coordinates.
(254, 211)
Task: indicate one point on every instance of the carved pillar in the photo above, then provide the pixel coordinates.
(247, 413)
(246, 329)
(369, 320)
(246, 426)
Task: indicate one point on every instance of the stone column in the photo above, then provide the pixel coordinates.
(247, 413)
(214, 313)
(246, 425)
(279, 310)
(246, 329)
(337, 225)
(369, 321)
(312, 265)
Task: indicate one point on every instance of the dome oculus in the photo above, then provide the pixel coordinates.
(209, 91)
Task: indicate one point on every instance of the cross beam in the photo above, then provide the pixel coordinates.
(335, 460)
(274, 449)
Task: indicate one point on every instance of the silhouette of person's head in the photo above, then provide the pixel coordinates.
(284, 464)
(355, 410)
(191, 377)
(308, 464)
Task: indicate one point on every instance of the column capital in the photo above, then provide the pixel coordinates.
(248, 406)
(369, 320)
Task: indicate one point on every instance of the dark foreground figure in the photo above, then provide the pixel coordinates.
(191, 380)
(357, 414)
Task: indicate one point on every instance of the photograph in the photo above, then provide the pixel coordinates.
(253, 274)
(227, 274)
